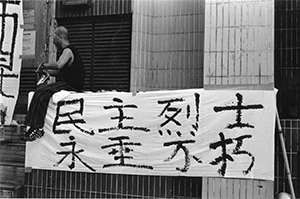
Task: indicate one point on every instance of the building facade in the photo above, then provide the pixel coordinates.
(134, 45)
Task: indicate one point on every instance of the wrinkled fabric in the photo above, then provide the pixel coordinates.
(10, 58)
(194, 132)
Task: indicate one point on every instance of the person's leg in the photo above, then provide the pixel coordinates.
(33, 104)
(38, 109)
(32, 111)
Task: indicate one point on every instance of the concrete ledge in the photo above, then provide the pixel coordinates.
(11, 191)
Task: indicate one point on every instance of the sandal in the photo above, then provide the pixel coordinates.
(32, 135)
(37, 133)
(25, 137)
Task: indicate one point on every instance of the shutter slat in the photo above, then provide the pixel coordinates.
(28, 80)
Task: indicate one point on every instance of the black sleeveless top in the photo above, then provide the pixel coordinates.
(74, 74)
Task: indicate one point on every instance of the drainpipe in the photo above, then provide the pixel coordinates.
(46, 34)
(285, 158)
(50, 4)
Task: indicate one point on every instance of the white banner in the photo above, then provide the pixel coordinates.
(10, 62)
(191, 132)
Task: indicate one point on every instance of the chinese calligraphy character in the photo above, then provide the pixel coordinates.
(224, 156)
(239, 107)
(175, 111)
(69, 115)
(73, 153)
(121, 150)
(7, 55)
(237, 151)
(196, 125)
(170, 109)
(180, 145)
(121, 117)
(7, 43)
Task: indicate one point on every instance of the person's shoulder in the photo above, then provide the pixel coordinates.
(67, 52)
(71, 47)
(67, 49)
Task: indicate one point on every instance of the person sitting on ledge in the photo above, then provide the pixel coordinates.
(70, 70)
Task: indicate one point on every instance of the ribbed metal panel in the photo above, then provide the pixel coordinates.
(81, 35)
(112, 54)
(94, 8)
(27, 80)
(287, 62)
(291, 129)
(104, 43)
(63, 184)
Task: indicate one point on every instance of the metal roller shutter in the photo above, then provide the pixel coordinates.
(27, 80)
(104, 42)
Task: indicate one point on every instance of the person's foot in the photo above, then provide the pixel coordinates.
(32, 135)
(25, 137)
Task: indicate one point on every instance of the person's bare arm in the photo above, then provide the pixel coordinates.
(66, 56)
(53, 73)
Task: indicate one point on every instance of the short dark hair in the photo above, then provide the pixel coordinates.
(62, 32)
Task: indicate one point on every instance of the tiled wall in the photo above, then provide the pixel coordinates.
(239, 43)
(167, 44)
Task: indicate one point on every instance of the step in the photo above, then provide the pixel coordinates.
(12, 133)
(14, 144)
(2, 134)
(14, 152)
(12, 172)
(11, 163)
(8, 190)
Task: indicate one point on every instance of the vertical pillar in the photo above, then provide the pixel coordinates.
(239, 44)
(167, 44)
